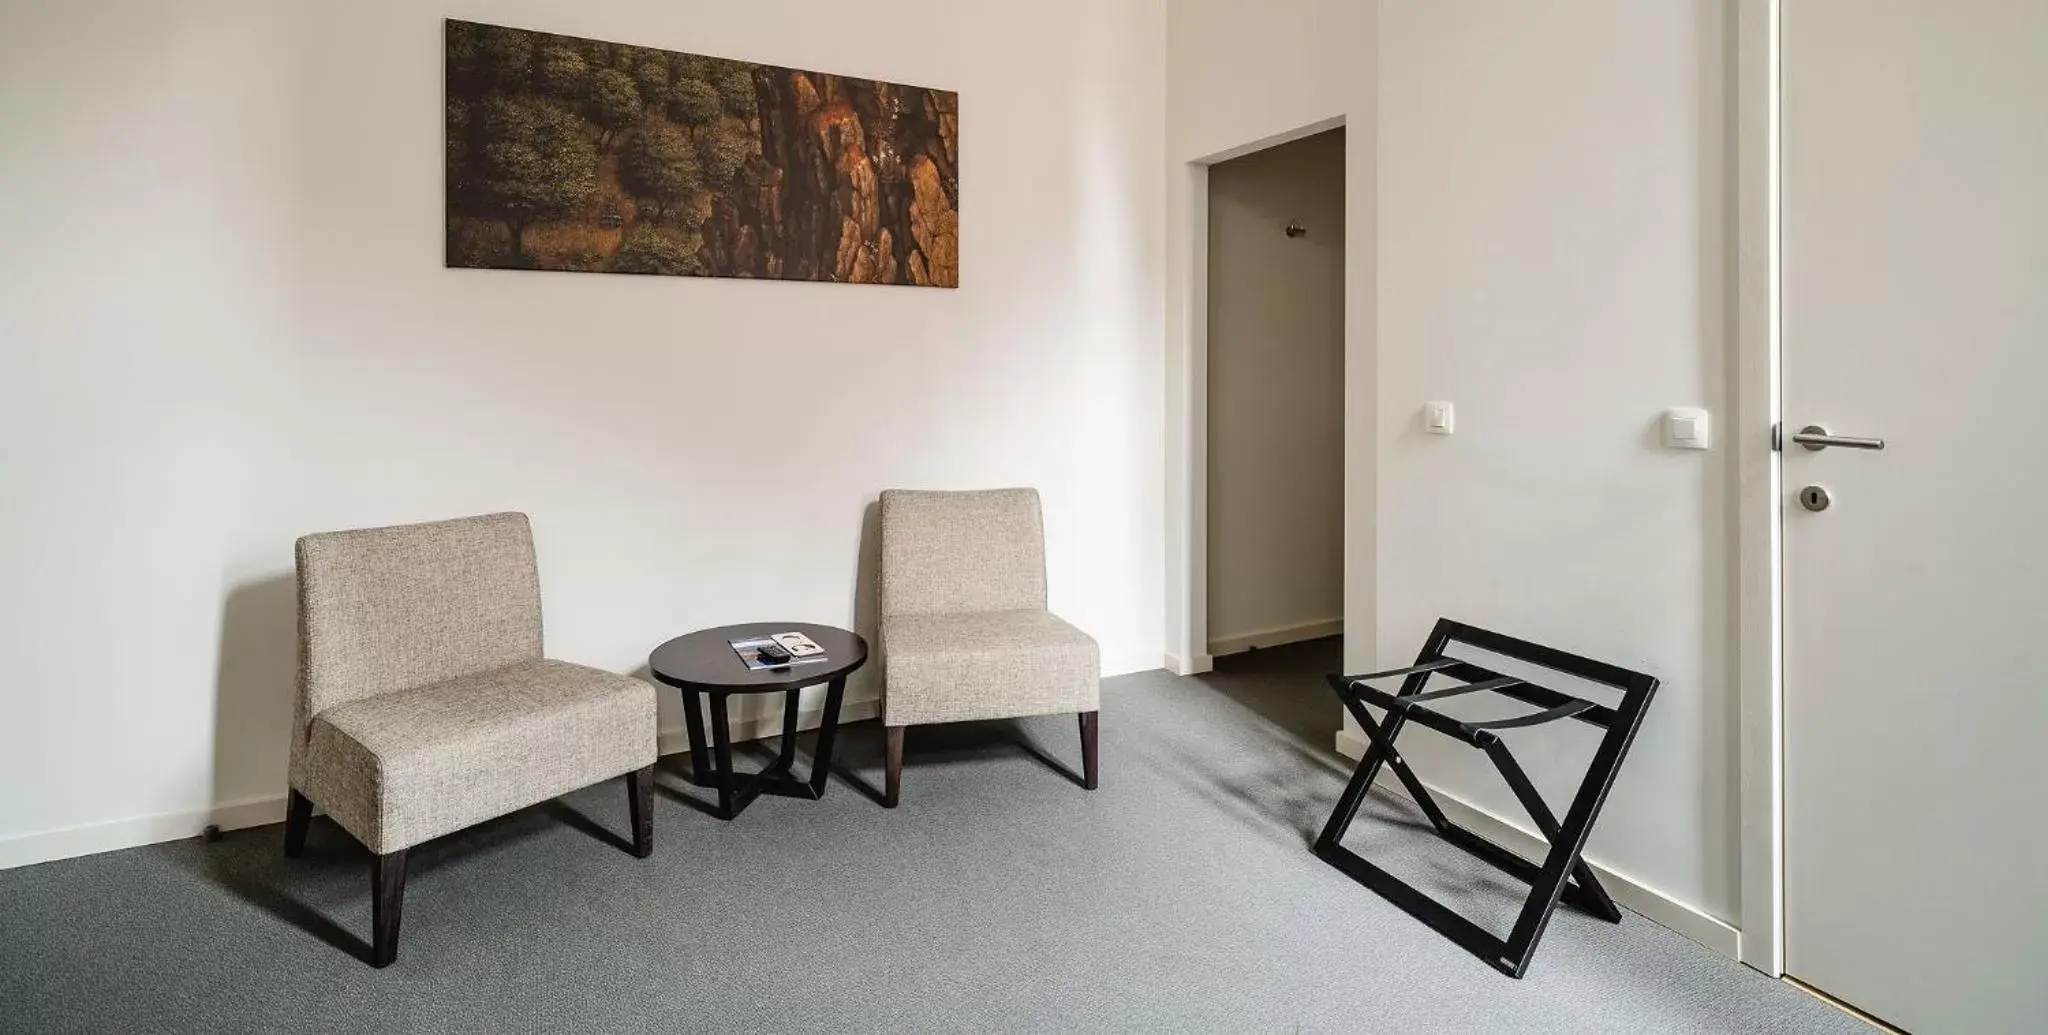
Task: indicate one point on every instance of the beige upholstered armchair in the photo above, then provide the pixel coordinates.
(964, 627)
(425, 706)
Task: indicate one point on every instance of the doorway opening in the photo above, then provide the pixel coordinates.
(1274, 466)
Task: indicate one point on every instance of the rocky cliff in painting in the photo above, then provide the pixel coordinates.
(573, 154)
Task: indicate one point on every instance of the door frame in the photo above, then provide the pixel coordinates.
(1759, 496)
(1187, 567)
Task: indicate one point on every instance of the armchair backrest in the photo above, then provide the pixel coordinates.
(384, 609)
(962, 552)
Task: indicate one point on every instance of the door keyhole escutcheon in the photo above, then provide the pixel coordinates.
(1815, 498)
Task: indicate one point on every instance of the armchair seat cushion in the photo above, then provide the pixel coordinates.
(985, 665)
(399, 768)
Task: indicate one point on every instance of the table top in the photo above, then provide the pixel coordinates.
(705, 660)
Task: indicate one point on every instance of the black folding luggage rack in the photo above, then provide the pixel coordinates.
(1563, 873)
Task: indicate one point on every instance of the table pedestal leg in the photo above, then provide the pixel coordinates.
(735, 793)
(721, 751)
(790, 703)
(693, 720)
(828, 731)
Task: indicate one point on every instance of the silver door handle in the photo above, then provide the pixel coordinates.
(1816, 438)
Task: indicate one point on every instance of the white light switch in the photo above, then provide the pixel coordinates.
(1686, 428)
(1438, 418)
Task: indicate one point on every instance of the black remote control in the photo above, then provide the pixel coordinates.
(774, 654)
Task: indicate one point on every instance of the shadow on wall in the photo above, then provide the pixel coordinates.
(258, 673)
(865, 749)
(867, 603)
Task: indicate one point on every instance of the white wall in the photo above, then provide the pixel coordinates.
(1554, 259)
(224, 322)
(1276, 395)
(1240, 76)
(1536, 209)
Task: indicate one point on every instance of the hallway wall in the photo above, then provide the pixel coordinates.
(1554, 258)
(1537, 207)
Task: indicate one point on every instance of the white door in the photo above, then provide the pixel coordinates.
(1915, 291)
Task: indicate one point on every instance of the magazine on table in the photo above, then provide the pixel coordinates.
(802, 650)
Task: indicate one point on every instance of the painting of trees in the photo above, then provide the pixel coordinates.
(572, 154)
(661, 166)
(535, 163)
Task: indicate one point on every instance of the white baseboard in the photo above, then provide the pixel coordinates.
(114, 835)
(94, 838)
(1275, 637)
(1651, 904)
(1199, 664)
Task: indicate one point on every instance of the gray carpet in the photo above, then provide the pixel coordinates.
(1001, 897)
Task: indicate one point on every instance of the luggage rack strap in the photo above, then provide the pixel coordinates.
(1520, 689)
(1481, 733)
(1477, 732)
(1427, 666)
(1453, 691)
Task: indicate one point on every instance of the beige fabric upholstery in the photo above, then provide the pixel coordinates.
(964, 627)
(385, 609)
(424, 703)
(405, 767)
(959, 552)
(991, 665)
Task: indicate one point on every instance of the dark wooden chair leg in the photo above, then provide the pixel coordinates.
(298, 815)
(1091, 725)
(387, 896)
(894, 781)
(640, 800)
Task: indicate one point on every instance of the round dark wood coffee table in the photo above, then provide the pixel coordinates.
(704, 662)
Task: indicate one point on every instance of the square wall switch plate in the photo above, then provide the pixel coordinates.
(1438, 418)
(1686, 428)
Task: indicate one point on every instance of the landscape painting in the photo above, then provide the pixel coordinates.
(573, 154)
